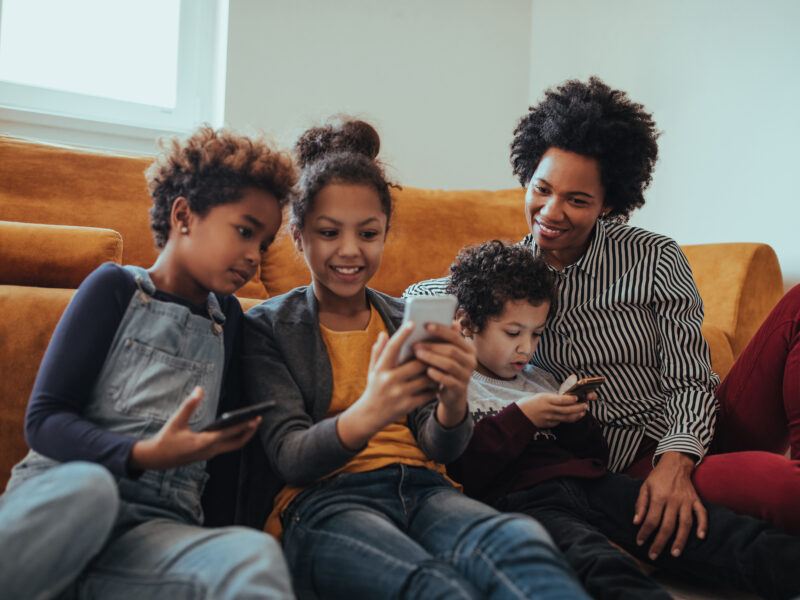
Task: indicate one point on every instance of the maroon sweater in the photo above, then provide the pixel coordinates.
(509, 453)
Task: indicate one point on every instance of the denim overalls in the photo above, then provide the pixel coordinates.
(160, 352)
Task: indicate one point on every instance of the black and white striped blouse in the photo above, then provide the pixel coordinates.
(629, 310)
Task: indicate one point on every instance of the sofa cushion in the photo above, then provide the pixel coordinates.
(58, 256)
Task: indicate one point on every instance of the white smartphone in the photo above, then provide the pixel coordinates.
(426, 309)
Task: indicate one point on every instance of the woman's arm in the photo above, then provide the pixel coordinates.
(685, 360)
(667, 500)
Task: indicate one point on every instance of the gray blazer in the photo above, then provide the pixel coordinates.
(285, 359)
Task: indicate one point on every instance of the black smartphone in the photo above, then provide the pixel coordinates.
(583, 386)
(234, 417)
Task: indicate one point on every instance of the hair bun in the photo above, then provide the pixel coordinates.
(341, 134)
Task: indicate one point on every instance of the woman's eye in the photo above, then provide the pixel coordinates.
(245, 232)
(512, 334)
(539, 189)
(579, 201)
(369, 235)
(328, 233)
(263, 247)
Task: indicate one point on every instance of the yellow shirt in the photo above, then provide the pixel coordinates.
(349, 353)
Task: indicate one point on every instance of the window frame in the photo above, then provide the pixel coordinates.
(63, 116)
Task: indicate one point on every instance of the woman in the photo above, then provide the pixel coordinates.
(628, 309)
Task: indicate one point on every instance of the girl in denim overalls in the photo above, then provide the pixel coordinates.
(108, 501)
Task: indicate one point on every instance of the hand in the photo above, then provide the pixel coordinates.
(451, 361)
(548, 409)
(392, 391)
(668, 497)
(176, 445)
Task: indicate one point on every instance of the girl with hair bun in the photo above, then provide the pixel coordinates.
(367, 510)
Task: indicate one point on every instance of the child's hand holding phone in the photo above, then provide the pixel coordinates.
(567, 406)
(176, 444)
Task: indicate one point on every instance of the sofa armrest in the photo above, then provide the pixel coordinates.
(30, 315)
(58, 256)
(739, 284)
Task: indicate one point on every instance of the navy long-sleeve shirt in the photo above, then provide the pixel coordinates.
(54, 422)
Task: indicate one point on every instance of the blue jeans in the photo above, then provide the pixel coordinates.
(405, 532)
(65, 533)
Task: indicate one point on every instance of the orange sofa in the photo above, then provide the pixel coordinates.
(64, 211)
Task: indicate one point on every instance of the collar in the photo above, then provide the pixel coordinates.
(590, 261)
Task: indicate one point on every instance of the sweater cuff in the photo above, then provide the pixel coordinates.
(513, 422)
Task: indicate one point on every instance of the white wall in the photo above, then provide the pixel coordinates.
(445, 81)
(722, 78)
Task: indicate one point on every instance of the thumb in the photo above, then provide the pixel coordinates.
(187, 408)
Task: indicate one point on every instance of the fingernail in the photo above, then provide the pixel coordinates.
(676, 552)
(653, 556)
(431, 327)
(639, 542)
(701, 534)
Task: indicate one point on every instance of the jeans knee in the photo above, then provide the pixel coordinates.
(89, 490)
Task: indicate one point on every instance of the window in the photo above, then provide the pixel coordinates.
(135, 64)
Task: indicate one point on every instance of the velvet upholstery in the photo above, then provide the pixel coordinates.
(63, 255)
(84, 190)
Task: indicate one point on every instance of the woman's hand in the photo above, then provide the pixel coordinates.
(176, 445)
(451, 361)
(392, 391)
(667, 497)
(547, 409)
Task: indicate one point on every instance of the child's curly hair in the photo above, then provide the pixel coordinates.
(210, 168)
(596, 121)
(486, 276)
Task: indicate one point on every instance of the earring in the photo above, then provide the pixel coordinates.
(184, 230)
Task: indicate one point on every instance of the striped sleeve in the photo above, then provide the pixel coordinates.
(428, 287)
(685, 370)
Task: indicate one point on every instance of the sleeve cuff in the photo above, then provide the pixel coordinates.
(680, 442)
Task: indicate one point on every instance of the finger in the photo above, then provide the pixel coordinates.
(669, 520)
(377, 349)
(684, 528)
(642, 501)
(445, 333)
(701, 514)
(445, 363)
(236, 442)
(187, 408)
(651, 521)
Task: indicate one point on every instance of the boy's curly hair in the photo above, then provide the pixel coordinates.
(486, 276)
(344, 150)
(596, 121)
(210, 168)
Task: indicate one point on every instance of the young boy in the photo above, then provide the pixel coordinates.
(539, 451)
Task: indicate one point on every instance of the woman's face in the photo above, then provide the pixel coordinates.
(563, 201)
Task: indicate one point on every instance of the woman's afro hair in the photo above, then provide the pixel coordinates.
(593, 120)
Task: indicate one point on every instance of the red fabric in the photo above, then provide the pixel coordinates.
(747, 470)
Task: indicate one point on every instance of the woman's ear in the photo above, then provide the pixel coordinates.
(181, 216)
(464, 324)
